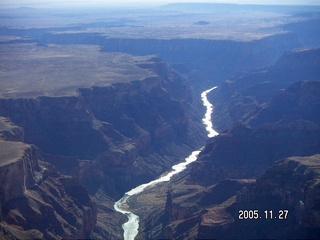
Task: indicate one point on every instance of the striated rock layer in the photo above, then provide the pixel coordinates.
(280, 93)
(289, 190)
(110, 134)
(110, 138)
(244, 152)
(282, 203)
(9, 131)
(265, 115)
(38, 202)
(19, 169)
(113, 136)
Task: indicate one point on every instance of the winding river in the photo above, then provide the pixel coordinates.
(131, 227)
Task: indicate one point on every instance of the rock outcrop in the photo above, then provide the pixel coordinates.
(274, 115)
(9, 131)
(19, 169)
(38, 202)
(243, 97)
(244, 152)
(284, 122)
(299, 101)
(282, 203)
(207, 54)
(110, 138)
(111, 134)
(286, 198)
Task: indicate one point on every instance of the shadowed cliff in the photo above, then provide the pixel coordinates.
(119, 130)
(271, 94)
(280, 122)
(37, 201)
(84, 118)
(275, 115)
(288, 191)
(110, 137)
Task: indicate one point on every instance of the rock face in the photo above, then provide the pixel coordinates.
(108, 128)
(10, 132)
(274, 115)
(110, 138)
(185, 220)
(299, 101)
(54, 131)
(243, 152)
(38, 202)
(176, 214)
(244, 98)
(201, 58)
(289, 190)
(202, 53)
(19, 169)
(284, 122)
(285, 197)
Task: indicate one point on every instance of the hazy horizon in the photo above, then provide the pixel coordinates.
(138, 3)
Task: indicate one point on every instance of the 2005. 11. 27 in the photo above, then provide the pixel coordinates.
(267, 214)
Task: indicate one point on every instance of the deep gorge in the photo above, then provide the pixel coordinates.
(81, 153)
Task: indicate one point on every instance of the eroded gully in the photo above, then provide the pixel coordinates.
(131, 227)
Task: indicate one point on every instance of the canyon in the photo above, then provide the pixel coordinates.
(90, 109)
(126, 144)
(235, 171)
(131, 227)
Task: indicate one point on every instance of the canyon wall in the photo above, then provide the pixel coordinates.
(103, 141)
(269, 114)
(109, 128)
(290, 187)
(221, 55)
(36, 201)
(205, 60)
(286, 89)
(108, 139)
(269, 122)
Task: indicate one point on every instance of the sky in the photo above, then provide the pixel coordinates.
(41, 3)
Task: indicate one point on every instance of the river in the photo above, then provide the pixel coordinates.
(131, 227)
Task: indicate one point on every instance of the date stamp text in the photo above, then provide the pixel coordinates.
(266, 214)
